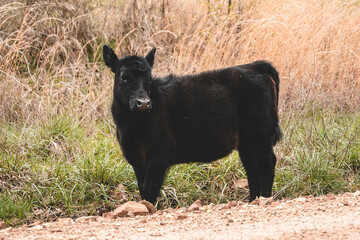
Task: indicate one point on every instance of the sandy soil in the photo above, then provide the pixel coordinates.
(324, 217)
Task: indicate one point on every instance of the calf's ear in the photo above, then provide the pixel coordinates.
(110, 58)
(150, 57)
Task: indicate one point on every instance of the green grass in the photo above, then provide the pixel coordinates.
(320, 155)
(61, 166)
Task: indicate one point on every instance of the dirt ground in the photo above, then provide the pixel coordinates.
(324, 217)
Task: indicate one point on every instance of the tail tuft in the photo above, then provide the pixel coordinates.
(277, 135)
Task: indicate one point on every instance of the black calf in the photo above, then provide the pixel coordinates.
(195, 118)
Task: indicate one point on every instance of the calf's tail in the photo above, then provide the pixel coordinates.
(266, 68)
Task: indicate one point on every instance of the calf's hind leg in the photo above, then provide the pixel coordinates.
(259, 162)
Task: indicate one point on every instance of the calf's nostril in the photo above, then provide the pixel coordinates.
(143, 104)
(138, 103)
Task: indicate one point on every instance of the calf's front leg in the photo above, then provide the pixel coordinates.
(153, 180)
(140, 175)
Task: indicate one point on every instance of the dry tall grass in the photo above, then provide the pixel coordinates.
(315, 45)
(49, 50)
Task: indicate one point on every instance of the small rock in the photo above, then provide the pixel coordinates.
(261, 201)
(162, 223)
(348, 194)
(322, 209)
(155, 234)
(181, 217)
(9, 229)
(229, 205)
(169, 210)
(130, 214)
(198, 202)
(232, 204)
(136, 208)
(230, 221)
(86, 219)
(2, 225)
(169, 216)
(142, 221)
(37, 227)
(65, 220)
(150, 207)
(223, 207)
(203, 208)
(210, 206)
(241, 183)
(265, 201)
(240, 203)
(48, 224)
(35, 223)
(193, 207)
(331, 195)
(161, 212)
(274, 203)
(220, 206)
(109, 215)
(228, 212)
(181, 210)
(300, 199)
(357, 194)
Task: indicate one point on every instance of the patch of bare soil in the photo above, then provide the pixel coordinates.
(324, 217)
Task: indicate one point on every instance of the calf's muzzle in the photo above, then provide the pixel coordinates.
(143, 104)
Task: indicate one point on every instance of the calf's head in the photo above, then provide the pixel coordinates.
(132, 78)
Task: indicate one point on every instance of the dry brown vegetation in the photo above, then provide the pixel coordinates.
(50, 50)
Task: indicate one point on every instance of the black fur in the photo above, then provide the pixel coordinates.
(195, 118)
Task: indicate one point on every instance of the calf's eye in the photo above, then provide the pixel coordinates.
(122, 79)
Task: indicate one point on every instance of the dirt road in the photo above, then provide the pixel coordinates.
(324, 217)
